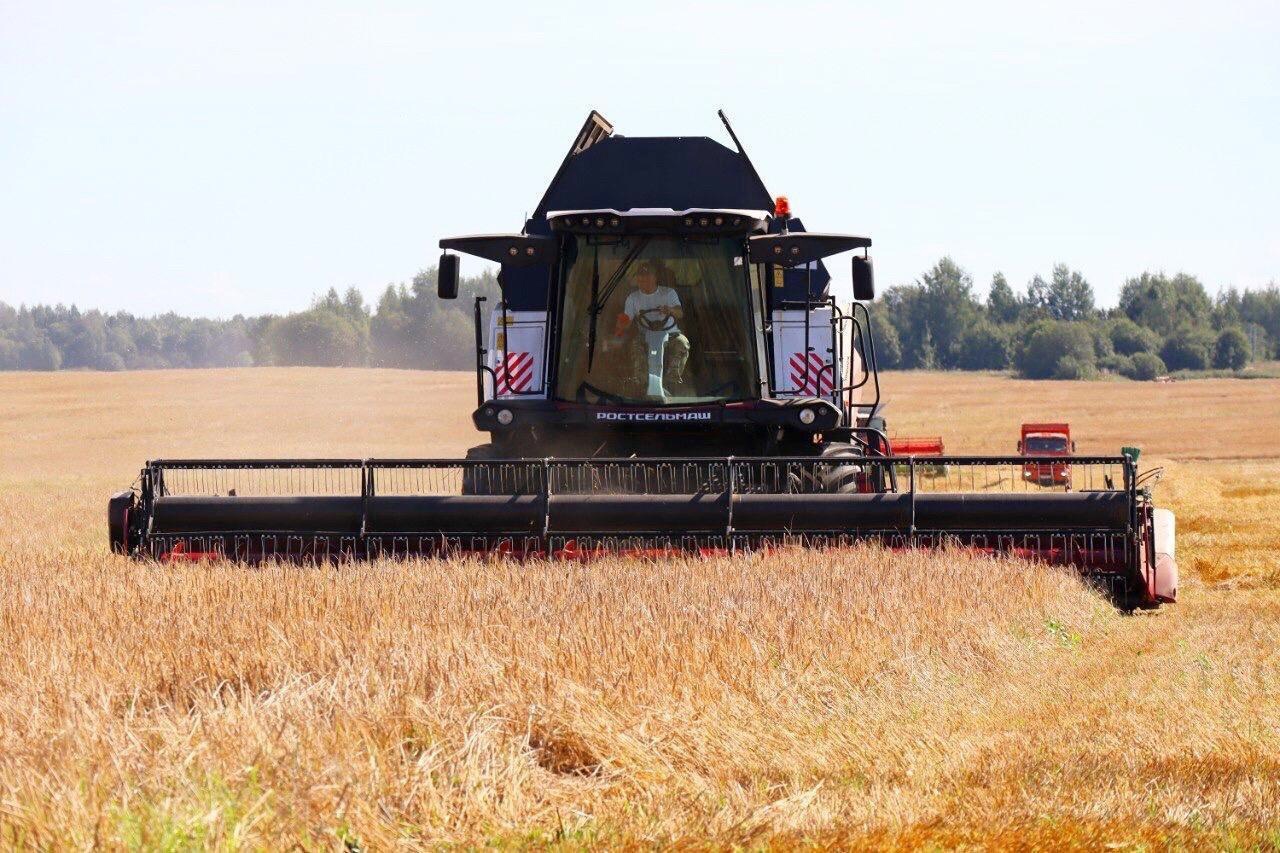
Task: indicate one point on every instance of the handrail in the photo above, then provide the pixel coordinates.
(441, 462)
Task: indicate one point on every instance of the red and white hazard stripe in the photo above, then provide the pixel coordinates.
(817, 381)
(515, 373)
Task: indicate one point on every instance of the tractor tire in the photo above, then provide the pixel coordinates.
(498, 479)
(834, 472)
(473, 478)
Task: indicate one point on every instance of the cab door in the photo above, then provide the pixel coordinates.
(515, 357)
(804, 354)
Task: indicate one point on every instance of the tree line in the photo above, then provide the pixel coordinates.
(409, 327)
(1052, 328)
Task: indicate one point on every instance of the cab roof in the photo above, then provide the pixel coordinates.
(677, 173)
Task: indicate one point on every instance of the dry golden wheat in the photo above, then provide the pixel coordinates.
(863, 697)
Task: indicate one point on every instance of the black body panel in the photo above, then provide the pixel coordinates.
(707, 512)
(677, 172)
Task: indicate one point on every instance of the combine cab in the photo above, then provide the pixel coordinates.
(666, 371)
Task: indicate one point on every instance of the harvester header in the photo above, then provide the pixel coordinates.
(667, 370)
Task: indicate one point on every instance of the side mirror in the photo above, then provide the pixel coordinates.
(447, 279)
(1019, 446)
(864, 279)
(1073, 447)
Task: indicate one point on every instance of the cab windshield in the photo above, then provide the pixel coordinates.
(1046, 444)
(655, 320)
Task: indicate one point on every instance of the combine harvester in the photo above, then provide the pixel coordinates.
(666, 371)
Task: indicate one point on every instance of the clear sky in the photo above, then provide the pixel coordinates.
(242, 157)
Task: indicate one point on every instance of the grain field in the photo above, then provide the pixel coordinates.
(855, 698)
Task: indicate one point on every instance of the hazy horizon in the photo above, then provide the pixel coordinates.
(239, 160)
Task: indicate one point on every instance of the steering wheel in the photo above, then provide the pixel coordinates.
(659, 322)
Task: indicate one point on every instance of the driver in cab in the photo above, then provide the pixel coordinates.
(655, 309)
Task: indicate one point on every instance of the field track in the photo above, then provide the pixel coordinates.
(854, 698)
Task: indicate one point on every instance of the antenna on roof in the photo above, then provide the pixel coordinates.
(724, 118)
(741, 151)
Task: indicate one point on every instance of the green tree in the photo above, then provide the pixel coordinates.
(932, 314)
(926, 354)
(1163, 304)
(1066, 296)
(983, 346)
(950, 307)
(1071, 367)
(1228, 309)
(353, 305)
(1259, 341)
(1231, 350)
(1188, 348)
(1127, 337)
(888, 345)
(41, 354)
(391, 330)
(319, 337)
(1102, 346)
(1261, 308)
(1048, 342)
(111, 361)
(1146, 366)
(1002, 303)
(10, 354)
(1116, 363)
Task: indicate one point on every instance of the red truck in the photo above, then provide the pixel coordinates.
(1047, 440)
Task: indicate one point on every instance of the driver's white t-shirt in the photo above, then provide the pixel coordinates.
(662, 297)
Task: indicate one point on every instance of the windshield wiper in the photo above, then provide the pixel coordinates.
(614, 280)
(593, 309)
(597, 301)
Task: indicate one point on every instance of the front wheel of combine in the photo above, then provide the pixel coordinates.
(119, 511)
(488, 472)
(836, 470)
(483, 477)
